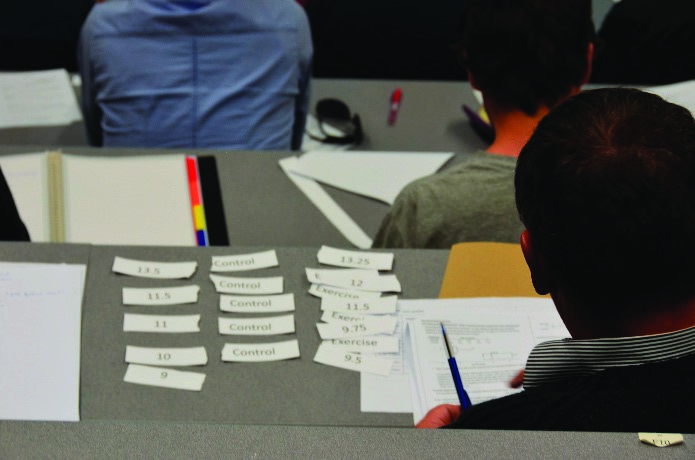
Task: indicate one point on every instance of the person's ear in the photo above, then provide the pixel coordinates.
(540, 275)
(589, 60)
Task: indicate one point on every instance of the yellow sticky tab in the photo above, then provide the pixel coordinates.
(199, 217)
(661, 439)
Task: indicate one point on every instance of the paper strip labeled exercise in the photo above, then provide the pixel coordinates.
(194, 356)
(244, 262)
(319, 290)
(330, 356)
(374, 344)
(160, 323)
(257, 304)
(163, 377)
(148, 269)
(355, 259)
(257, 326)
(161, 296)
(235, 285)
(259, 352)
(378, 306)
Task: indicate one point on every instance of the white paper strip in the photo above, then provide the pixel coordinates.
(161, 296)
(242, 262)
(159, 270)
(330, 356)
(319, 290)
(322, 200)
(322, 275)
(259, 352)
(234, 285)
(194, 356)
(375, 344)
(360, 282)
(380, 306)
(372, 326)
(257, 304)
(163, 377)
(355, 259)
(338, 317)
(160, 323)
(257, 326)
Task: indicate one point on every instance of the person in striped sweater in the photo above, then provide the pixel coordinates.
(606, 190)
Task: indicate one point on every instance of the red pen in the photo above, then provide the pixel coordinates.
(395, 105)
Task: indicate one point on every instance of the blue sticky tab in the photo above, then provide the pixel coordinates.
(200, 236)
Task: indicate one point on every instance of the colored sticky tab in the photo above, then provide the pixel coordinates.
(199, 217)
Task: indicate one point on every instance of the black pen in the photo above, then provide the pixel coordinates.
(460, 391)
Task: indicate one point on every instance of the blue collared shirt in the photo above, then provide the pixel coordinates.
(196, 74)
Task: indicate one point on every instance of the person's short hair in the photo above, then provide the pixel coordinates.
(526, 53)
(606, 188)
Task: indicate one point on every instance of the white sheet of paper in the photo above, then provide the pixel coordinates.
(193, 356)
(380, 306)
(378, 175)
(149, 269)
(333, 212)
(320, 275)
(321, 291)
(373, 344)
(26, 177)
(244, 262)
(40, 330)
(260, 352)
(161, 323)
(355, 259)
(257, 304)
(42, 98)
(373, 325)
(274, 325)
(129, 200)
(178, 295)
(330, 356)
(258, 286)
(682, 93)
(163, 377)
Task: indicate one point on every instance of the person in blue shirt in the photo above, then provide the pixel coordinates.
(196, 74)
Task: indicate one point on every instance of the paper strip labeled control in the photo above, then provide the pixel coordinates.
(163, 377)
(257, 304)
(260, 352)
(243, 262)
(193, 356)
(161, 296)
(235, 285)
(149, 269)
(359, 362)
(274, 325)
(355, 259)
(160, 323)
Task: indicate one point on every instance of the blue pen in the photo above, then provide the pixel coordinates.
(460, 391)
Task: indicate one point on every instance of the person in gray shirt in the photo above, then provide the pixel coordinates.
(525, 56)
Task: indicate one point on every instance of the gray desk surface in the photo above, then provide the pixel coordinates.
(262, 206)
(430, 118)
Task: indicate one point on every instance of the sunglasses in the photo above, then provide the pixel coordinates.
(337, 124)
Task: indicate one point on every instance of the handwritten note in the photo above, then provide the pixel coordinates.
(243, 262)
(257, 326)
(235, 285)
(159, 270)
(160, 323)
(355, 259)
(257, 304)
(163, 377)
(259, 352)
(161, 296)
(194, 356)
